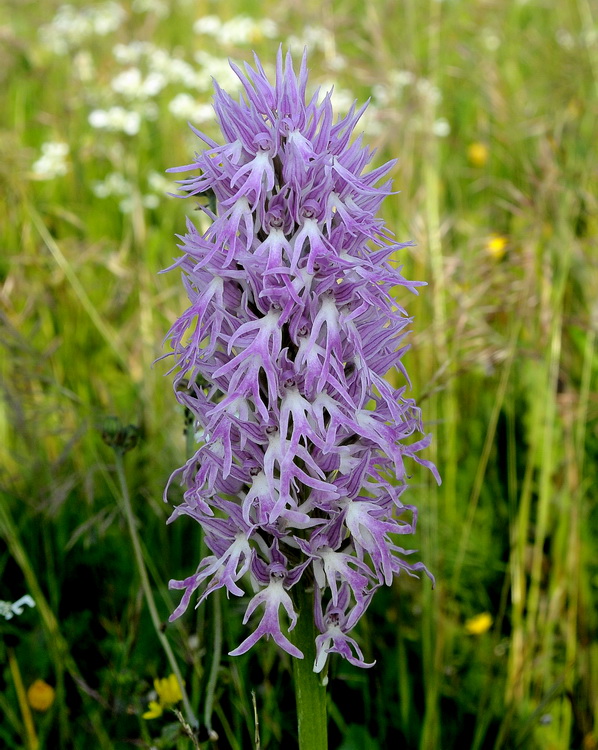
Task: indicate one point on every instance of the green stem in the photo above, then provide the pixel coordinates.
(147, 589)
(309, 690)
(216, 655)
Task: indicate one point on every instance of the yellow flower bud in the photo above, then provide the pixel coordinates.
(154, 710)
(477, 154)
(479, 624)
(168, 690)
(40, 695)
(496, 246)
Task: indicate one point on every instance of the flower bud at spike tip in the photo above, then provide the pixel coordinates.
(290, 331)
(119, 437)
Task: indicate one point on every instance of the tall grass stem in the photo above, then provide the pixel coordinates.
(147, 589)
(30, 733)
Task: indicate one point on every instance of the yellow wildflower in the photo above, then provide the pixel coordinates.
(40, 695)
(496, 246)
(154, 710)
(168, 690)
(477, 154)
(169, 693)
(479, 624)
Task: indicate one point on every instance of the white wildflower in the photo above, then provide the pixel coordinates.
(158, 183)
(381, 94)
(107, 18)
(158, 7)
(217, 68)
(441, 127)
(318, 36)
(116, 119)
(126, 205)
(341, 99)
(83, 66)
(153, 84)
(53, 161)
(565, 39)
(336, 62)
(9, 609)
(174, 69)
(132, 85)
(490, 39)
(428, 91)
(149, 111)
(238, 30)
(209, 25)
(71, 26)
(186, 107)
(127, 83)
(373, 125)
(401, 78)
(589, 36)
(132, 53)
(113, 184)
(150, 201)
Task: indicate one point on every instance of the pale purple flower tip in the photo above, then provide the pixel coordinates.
(291, 329)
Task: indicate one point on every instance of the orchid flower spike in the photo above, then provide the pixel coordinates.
(291, 328)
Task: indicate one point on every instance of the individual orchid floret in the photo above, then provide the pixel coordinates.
(281, 359)
(334, 625)
(277, 579)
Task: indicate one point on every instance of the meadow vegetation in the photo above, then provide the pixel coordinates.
(491, 108)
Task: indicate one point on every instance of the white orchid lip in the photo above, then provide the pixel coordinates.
(291, 328)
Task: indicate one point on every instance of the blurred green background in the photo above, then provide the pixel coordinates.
(491, 107)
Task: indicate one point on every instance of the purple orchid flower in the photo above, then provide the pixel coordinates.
(291, 329)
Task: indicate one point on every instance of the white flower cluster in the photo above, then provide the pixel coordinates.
(384, 94)
(161, 65)
(318, 37)
(428, 92)
(116, 119)
(53, 161)
(116, 185)
(9, 609)
(239, 30)
(159, 8)
(217, 68)
(341, 99)
(186, 107)
(425, 94)
(83, 66)
(133, 52)
(150, 70)
(159, 183)
(133, 85)
(72, 26)
(441, 127)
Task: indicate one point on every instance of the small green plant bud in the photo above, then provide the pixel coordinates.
(117, 436)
